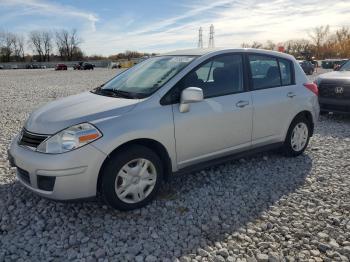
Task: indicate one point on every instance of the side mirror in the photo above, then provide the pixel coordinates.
(188, 96)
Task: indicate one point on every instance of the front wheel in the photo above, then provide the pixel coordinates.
(298, 137)
(131, 178)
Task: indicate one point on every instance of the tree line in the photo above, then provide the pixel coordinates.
(322, 43)
(45, 45)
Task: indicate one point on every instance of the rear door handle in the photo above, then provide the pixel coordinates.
(291, 94)
(242, 103)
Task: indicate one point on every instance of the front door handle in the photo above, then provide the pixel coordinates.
(242, 103)
(291, 94)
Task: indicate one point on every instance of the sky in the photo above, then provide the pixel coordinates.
(111, 26)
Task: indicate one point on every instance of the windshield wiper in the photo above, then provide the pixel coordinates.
(124, 94)
(115, 93)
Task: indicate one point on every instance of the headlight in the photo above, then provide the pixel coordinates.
(70, 139)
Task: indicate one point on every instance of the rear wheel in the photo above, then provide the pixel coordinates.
(131, 178)
(298, 137)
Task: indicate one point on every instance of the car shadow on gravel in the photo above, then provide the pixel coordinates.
(193, 210)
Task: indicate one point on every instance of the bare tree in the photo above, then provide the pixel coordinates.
(298, 47)
(269, 45)
(47, 43)
(245, 45)
(255, 44)
(318, 36)
(18, 47)
(342, 36)
(68, 43)
(36, 42)
(7, 47)
(41, 43)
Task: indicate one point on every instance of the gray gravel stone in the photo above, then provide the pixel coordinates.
(139, 258)
(262, 257)
(223, 252)
(100, 253)
(151, 258)
(202, 252)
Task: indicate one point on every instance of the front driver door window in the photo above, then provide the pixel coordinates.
(220, 76)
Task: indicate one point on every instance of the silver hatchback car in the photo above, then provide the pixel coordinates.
(170, 113)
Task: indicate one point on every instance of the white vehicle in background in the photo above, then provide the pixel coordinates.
(166, 114)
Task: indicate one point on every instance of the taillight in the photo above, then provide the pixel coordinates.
(312, 87)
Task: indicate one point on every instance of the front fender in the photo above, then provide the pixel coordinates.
(155, 123)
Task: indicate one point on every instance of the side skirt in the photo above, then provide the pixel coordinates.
(203, 165)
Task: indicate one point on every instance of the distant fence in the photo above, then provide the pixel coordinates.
(98, 63)
(22, 65)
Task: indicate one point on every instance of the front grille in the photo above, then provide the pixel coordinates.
(30, 139)
(339, 108)
(329, 90)
(23, 175)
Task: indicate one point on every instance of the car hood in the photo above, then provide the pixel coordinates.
(71, 110)
(335, 75)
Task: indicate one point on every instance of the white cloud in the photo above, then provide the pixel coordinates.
(192, 11)
(45, 8)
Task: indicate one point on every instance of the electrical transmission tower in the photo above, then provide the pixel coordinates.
(211, 37)
(200, 38)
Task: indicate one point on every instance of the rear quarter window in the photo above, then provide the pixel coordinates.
(264, 71)
(286, 71)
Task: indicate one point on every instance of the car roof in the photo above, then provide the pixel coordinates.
(205, 51)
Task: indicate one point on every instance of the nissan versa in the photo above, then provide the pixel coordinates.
(167, 114)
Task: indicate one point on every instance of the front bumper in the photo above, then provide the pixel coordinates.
(73, 174)
(335, 105)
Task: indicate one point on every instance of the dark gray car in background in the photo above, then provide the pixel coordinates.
(334, 90)
(307, 66)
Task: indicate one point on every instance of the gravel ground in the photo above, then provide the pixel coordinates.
(263, 208)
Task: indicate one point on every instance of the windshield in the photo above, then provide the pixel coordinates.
(345, 66)
(145, 78)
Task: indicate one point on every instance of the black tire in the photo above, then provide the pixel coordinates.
(287, 146)
(324, 113)
(113, 166)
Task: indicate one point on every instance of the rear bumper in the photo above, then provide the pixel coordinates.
(335, 105)
(67, 176)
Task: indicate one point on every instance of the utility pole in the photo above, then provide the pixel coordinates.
(200, 38)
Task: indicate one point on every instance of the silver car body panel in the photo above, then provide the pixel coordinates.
(212, 128)
(76, 109)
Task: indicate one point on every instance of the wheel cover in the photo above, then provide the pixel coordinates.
(135, 180)
(299, 136)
